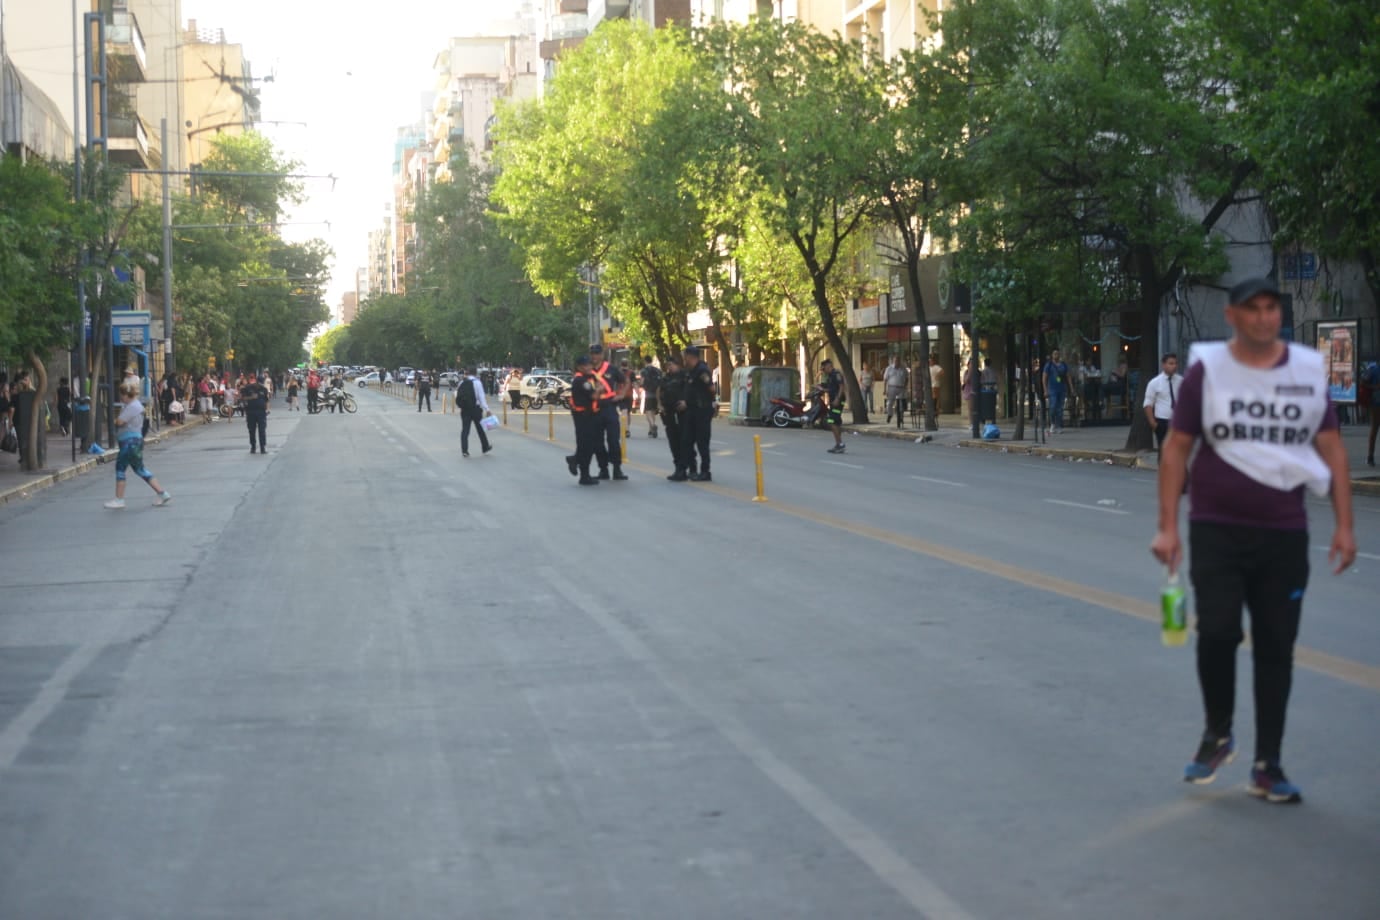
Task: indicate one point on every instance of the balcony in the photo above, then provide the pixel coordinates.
(574, 6)
(125, 52)
(127, 140)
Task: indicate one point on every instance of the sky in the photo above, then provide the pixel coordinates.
(353, 78)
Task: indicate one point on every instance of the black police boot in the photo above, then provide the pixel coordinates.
(701, 477)
(618, 474)
(588, 480)
(678, 476)
(571, 465)
(604, 473)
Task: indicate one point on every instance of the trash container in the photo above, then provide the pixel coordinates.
(987, 404)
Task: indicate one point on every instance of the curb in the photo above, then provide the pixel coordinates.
(83, 466)
(1130, 459)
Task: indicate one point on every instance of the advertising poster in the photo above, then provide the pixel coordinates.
(1337, 342)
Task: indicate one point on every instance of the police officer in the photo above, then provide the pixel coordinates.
(610, 387)
(670, 394)
(584, 411)
(254, 395)
(698, 412)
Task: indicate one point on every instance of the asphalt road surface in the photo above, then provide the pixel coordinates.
(364, 677)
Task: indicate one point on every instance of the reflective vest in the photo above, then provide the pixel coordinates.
(606, 392)
(577, 386)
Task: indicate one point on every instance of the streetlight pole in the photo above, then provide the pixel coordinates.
(167, 260)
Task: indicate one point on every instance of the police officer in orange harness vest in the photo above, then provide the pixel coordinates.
(612, 388)
(584, 411)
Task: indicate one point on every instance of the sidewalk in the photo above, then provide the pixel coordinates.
(1099, 444)
(17, 485)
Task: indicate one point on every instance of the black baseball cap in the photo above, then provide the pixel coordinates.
(1252, 287)
(581, 360)
(596, 349)
(692, 350)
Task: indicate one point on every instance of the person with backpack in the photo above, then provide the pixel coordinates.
(469, 398)
(651, 382)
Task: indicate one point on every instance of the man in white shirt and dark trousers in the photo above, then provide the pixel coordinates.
(469, 398)
(1161, 397)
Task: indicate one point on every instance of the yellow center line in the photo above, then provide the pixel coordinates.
(1343, 669)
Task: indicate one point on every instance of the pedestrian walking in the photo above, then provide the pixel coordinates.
(292, 390)
(469, 398)
(894, 380)
(1161, 396)
(1056, 376)
(423, 390)
(584, 412)
(936, 381)
(1369, 385)
(651, 385)
(611, 387)
(1268, 431)
(254, 396)
(313, 392)
(832, 393)
(130, 437)
(64, 406)
(698, 414)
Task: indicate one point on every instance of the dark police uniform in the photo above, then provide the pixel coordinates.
(608, 381)
(699, 411)
(255, 399)
(671, 392)
(584, 411)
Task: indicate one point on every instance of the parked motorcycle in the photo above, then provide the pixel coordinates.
(334, 396)
(805, 412)
(559, 398)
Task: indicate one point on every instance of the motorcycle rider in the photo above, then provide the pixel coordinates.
(254, 395)
(670, 395)
(584, 412)
(611, 388)
(698, 403)
(337, 387)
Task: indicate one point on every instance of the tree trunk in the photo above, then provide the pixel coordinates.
(32, 460)
(836, 343)
(1142, 436)
(924, 388)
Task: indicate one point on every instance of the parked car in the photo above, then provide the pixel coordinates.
(539, 389)
(369, 379)
(449, 380)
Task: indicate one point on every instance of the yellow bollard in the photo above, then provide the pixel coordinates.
(524, 419)
(761, 495)
(504, 404)
(623, 443)
(550, 423)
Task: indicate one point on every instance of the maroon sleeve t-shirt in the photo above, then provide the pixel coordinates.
(1218, 492)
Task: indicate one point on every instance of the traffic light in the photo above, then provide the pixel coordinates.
(230, 355)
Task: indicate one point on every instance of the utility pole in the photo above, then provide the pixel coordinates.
(167, 260)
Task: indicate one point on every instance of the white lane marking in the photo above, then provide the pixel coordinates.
(1055, 501)
(851, 466)
(941, 482)
(401, 448)
(15, 737)
(449, 492)
(483, 520)
(1328, 549)
(414, 458)
(918, 889)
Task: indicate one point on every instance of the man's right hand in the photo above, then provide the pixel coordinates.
(1167, 548)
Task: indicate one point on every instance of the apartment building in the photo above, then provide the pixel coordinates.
(472, 74)
(219, 94)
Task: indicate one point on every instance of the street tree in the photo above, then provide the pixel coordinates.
(43, 231)
(1101, 137)
(1305, 75)
(804, 117)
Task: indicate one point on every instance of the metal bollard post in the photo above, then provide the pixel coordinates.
(505, 414)
(550, 423)
(761, 495)
(524, 419)
(623, 443)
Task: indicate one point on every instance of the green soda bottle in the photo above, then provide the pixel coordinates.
(1173, 612)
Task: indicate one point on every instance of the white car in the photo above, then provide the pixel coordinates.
(369, 379)
(540, 389)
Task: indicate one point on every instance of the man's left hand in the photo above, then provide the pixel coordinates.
(1343, 548)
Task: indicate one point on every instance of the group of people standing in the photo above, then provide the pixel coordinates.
(681, 395)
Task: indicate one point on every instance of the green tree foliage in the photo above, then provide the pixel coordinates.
(386, 333)
(804, 119)
(1101, 155)
(43, 232)
(616, 167)
(1306, 77)
(474, 300)
(237, 284)
(331, 346)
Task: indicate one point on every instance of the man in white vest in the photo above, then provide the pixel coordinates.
(1259, 405)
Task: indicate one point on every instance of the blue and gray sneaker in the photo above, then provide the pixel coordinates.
(1269, 783)
(1212, 753)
